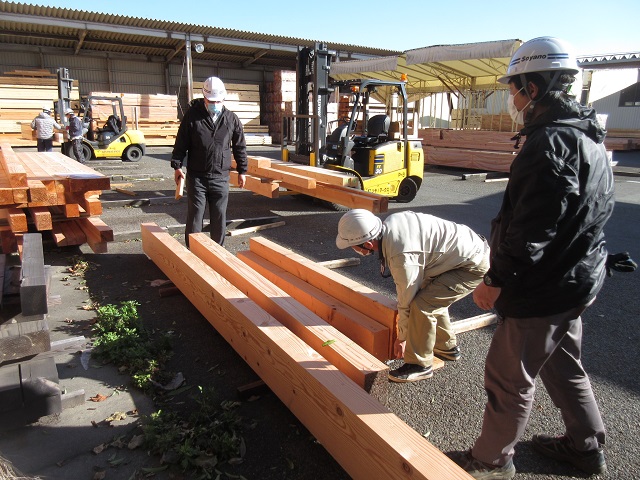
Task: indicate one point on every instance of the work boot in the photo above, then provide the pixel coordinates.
(452, 354)
(560, 448)
(410, 372)
(481, 470)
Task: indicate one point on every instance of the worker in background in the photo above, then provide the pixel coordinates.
(209, 133)
(548, 262)
(74, 131)
(44, 125)
(434, 262)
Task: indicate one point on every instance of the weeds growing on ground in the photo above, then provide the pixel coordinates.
(198, 441)
(120, 338)
(208, 437)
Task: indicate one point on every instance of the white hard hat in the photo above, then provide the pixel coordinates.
(67, 111)
(46, 109)
(542, 54)
(214, 90)
(356, 227)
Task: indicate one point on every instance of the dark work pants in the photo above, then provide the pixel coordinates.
(77, 150)
(201, 192)
(521, 349)
(45, 144)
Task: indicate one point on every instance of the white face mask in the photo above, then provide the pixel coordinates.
(516, 115)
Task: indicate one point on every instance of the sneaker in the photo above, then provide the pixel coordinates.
(410, 372)
(481, 470)
(452, 354)
(560, 448)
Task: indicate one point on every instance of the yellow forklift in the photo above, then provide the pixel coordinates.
(369, 147)
(113, 139)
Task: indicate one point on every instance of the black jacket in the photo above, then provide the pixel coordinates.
(209, 146)
(547, 242)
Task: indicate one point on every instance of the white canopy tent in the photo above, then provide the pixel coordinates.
(439, 68)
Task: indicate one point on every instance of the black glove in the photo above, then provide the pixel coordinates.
(620, 262)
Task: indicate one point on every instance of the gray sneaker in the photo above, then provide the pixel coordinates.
(560, 448)
(481, 470)
(410, 372)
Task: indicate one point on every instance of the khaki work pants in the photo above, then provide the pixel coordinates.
(429, 323)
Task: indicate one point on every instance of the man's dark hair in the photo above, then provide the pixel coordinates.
(541, 80)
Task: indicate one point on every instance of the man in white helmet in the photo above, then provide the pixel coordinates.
(44, 125)
(548, 262)
(434, 262)
(209, 134)
(74, 131)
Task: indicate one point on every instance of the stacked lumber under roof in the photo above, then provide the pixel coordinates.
(266, 177)
(23, 93)
(323, 376)
(50, 192)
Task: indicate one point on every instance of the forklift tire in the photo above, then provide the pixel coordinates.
(407, 191)
(67, 150)
(87, 152)
(133, 153)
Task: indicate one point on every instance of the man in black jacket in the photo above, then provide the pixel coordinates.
(548, 262)
(209, 133)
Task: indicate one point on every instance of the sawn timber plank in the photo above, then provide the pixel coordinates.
(366, 332)
(364, 437)
(354, 294)
(355, 362)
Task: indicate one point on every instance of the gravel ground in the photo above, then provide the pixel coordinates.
(447, 408)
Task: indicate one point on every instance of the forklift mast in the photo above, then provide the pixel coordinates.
(314, 65)
(64, 94)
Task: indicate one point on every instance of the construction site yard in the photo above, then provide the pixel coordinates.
(446, 409)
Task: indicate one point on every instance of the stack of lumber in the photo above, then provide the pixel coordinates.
(280, 100)
(50, 192)
(472, 149)
(302, 359)
(243, 99)
(23, 93)
(622, 140)
(156, 108)
(325, 378)
(267, 177)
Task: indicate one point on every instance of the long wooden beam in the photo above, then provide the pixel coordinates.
(364, 437)
(348, 357)
(366, 332)
(363, 299)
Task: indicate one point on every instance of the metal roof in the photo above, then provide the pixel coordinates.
(78, 30)
(612, 60)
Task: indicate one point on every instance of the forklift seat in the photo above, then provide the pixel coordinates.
(377, 131)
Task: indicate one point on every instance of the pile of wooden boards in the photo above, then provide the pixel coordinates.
(331, 383)
(622, 140)
(491, 150)
(473, 149)
(50, 192)
(267, 177)
(23, 93)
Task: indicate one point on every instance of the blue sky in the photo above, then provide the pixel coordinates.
(593, 27)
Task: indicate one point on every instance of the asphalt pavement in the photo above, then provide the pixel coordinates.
(447, 409)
